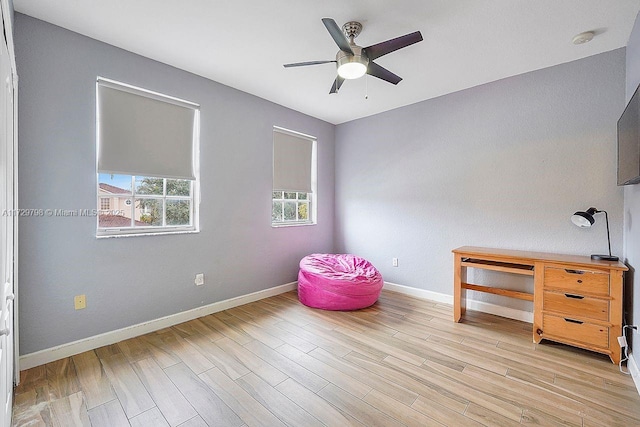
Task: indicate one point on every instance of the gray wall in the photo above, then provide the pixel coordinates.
(632, 201)
(135, 279)
(500, 165)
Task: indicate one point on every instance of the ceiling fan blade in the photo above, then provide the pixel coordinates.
(302, 64)
(382, 73)
(337, 34)
(377, 50)
(336, 84)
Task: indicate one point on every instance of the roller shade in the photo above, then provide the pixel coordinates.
(292, 157)
(144, 133)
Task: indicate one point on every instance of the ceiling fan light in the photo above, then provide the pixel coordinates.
(352, 70)
(352, 65)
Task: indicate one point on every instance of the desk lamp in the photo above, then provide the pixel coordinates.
(586, 220)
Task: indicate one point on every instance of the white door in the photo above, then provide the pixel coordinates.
(7, 221)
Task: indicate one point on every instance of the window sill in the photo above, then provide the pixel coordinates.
(291, 224)
(155, 233)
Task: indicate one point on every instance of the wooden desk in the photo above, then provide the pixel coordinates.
(576, 300)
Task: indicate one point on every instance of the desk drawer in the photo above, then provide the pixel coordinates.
(573, 330)
(578, 281)
(576, 305)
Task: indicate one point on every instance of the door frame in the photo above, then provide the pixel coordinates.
(7, 21)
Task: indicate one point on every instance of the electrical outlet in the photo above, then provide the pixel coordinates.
(199, 279)
(80, 302)
(394, 262)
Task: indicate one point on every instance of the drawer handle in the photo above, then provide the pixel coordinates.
(573, 271)
(579, 322)
(573, 296)
(579, 281)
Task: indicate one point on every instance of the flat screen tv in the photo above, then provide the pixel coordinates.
(629, 142)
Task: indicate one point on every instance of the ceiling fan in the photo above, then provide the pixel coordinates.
(354, 61)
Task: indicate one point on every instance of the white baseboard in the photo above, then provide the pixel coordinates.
(65, 350)
(419, 293)
(485, 307)
(635, 372)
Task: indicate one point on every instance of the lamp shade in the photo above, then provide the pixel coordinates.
(583, 219)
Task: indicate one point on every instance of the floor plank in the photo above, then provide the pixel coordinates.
(293, 370)
(93, 380)
(151, 418)
(322, 410)
(357, 408)
(62, 379)
(130, 391)
(252, 362)
(329, 373)
(70, 411)
(280, 405)
(167, 397)
(206, 403)
(247, 408)
(109, 414)
(224, 361)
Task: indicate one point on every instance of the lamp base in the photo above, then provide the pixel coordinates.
(604, 257)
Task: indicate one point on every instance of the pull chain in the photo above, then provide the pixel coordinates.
(366, 86)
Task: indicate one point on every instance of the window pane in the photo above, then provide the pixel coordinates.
(276, 212)
(178, 212)
(149, 211)
(148, 185)
(178, 187)
(290, 211)
(303, 211)
(289, 195)
(113, 184)
(277, 195)
(302, 196)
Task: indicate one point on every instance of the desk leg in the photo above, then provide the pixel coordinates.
(615, 315)
(459, 275)
(538, 290)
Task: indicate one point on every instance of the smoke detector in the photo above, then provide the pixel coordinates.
(582, 38)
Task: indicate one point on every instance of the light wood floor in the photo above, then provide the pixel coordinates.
(275, 362)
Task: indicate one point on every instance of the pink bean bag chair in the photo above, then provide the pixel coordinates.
(338, 282)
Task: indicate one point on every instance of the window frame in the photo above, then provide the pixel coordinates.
(312, 197)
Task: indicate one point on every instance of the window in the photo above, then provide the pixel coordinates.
(294, 178)
(147, 163)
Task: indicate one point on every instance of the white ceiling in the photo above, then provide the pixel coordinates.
(243, 43)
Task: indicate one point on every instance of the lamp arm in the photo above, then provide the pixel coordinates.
(606, 216)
